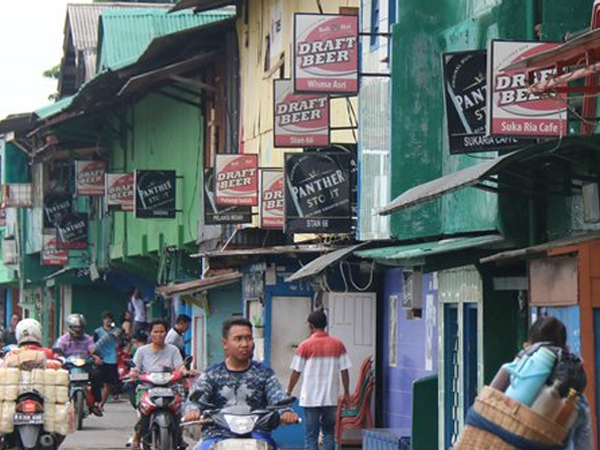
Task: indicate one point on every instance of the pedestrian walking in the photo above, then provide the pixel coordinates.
(137, 307)
(320, 359)
(175, 336)
(107, 339)
(8, 336)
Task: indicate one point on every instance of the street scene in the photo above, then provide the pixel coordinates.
(300, 224)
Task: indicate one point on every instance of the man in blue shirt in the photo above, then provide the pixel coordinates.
(107, 341)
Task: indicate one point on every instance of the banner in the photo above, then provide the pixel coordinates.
(513, 111)
(89, 177)
(119, 191)
(155, 193)
(72, 232)
(326, 53)
(301, 120)
(217, 215)
(236, 181)
(272, 199)
(51, 255)
(56, 205)
(317, 192)
(465, 85)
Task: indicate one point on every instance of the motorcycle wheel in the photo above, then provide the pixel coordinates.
(79, 409)
(161, 438)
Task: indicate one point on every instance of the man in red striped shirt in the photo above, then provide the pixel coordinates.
(321, 358)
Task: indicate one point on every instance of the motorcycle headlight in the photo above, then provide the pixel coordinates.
(240, 424)
(78, 362)
(160, 378)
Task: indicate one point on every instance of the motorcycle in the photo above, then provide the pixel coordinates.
(80, 391)
(252, 429)
(160, 404)
(28, 421)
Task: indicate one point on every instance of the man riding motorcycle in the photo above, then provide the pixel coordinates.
(28, 334)
(155, 357)
(236, 381)
(77, 343)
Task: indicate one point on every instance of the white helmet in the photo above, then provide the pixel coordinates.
(29, 331)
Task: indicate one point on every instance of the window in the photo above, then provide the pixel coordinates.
(375, 16)
(393, 333)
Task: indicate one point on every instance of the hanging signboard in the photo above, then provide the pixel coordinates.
(512, 110)
(56, 205)
(301, 120)
(272, 199)
(236, 180)
(218, 215)
(465, 85)
(72, 232)
(326, 53)
(51, 255)
(119, 191)
(317, 192)
(89, 177)
(155, 193)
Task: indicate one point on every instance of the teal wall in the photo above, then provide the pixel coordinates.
(424, 30)
(92, 299)
(223, 302)
(159, 133)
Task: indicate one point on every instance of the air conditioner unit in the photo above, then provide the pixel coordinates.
(412, 289)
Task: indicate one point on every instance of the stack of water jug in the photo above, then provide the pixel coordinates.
(529, 380)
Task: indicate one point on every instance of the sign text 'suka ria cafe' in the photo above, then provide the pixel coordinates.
(513, 110)
(301, 120)
(326, 53)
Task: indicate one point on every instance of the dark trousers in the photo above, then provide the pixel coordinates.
(97, 382)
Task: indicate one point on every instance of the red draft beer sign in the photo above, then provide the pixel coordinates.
(89, 177)
(272, 214)
(301, 120)
(236, 179)
(326, 53)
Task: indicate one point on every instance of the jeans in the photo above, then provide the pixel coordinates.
(319, 419)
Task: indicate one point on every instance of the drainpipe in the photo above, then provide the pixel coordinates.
(530, 19)
(530, 22)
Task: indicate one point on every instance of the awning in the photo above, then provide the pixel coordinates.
(263, 251)
(202, 5)
(536, 250)
(415, 254)
(17, 123)
(318, 265)
(471, 176)
(191, 287)
(62, 271)
(508, 173)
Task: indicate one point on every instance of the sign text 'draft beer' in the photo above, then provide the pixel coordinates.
(272, 199)
(465, 89)
(51, 255)
(513, 110)
(217, 215)
(119, 191)
(155, 192)
(301, 120)
(326, 53)
(317, 194)
(236, 178)
(89, 177)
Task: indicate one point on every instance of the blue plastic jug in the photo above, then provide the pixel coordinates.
(529, 374)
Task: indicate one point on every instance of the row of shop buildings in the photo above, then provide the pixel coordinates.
(445, 257)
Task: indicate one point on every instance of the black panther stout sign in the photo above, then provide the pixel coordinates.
(155, 194)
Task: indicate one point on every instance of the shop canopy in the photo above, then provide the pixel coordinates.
(416, 254)
(194, 286)
(318, 265)
(515, 172)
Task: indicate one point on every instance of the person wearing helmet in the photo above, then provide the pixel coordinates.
(75, 342)
(28, 336)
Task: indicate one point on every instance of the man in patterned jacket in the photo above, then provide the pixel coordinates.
(236, 381)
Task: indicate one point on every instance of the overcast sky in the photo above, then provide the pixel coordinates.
(31, 36)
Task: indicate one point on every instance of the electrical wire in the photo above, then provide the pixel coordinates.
(369, 283)
(343, 277)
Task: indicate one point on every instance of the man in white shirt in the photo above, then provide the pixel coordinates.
(176, 335)
(137, 307)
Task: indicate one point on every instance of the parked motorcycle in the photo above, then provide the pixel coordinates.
(28, 421)
(160, 404)
(252, 429)
(80, 390)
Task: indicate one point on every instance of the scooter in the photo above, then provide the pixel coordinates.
(80, 391)
(161, 404)
(28, 421)
(252, 429)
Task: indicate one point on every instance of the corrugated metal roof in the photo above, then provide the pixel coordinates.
(125, 34)
(83, 20)
(202, 5)
(54, 108)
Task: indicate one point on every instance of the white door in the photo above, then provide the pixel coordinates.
(199, 337)
(288, 328)
(352, 318)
